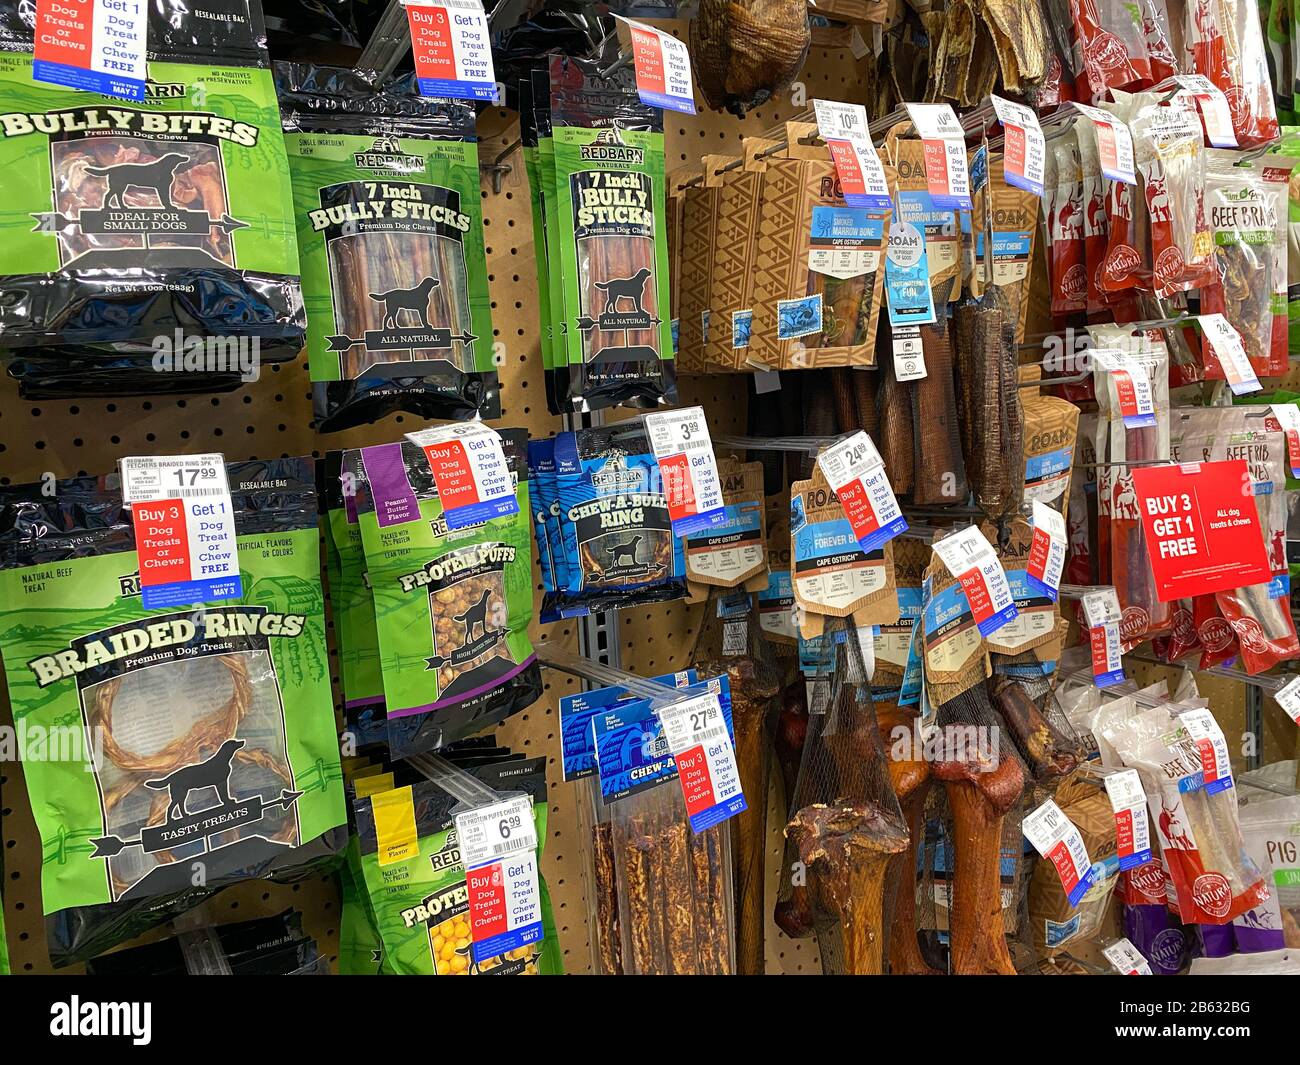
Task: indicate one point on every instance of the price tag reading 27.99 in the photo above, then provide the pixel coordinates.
(706, 762)
(687, 466)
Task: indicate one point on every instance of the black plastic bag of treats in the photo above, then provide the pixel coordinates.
(154, 235)
(390, 230)
(186, 748)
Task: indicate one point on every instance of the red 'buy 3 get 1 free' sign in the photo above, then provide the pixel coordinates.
(1202, 528)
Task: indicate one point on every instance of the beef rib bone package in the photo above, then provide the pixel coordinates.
(132, 229)
(390, 230)
(197, 745)
(452, 606)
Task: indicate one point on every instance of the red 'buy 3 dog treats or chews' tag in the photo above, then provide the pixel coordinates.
(498, 847)
(856, 472)
(184, 528)
(469, 467)
(971, 559)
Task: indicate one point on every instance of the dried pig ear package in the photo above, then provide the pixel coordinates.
(611, 246)
(452, 606)
(417, 887)
(390, 228)
(1270, 829)
(199, 735)
(733, 552)
(1247, 205)
(168, 219)
(619, 546)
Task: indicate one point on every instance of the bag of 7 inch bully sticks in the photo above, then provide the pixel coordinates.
(143, 239)
(173, 751)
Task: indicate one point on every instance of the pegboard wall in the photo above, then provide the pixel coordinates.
(271, 418)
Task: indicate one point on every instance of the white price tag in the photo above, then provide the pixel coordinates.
(944, 144)
(1213, 748)
(856, 473)
(1114, 143)
(495, 831)
(663, 68)
(1224, 339)
(971, 559)
(1128, 801)
(1132, 386)
(1024, 152)
(1288, 698)
(689, 470)
(706, 762)
(1057, 839)
(1101, 611)
(1288, 417)
(862, 179)
(451, 49)
(1126, 959)
(1213, 106)
(1047, 550)
(469, 468)
(909, 353)
(184, 528)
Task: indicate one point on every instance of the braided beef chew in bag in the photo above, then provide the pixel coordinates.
(452, 607)
(155, 218)
(611, 238)
(747, 51)
(390, 227)
(157, 706)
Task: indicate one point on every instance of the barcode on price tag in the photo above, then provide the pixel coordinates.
(862, 179)
(971, 559)
(856, 473)
(1216, 769)
(451, 49)
(1128, 801)
(663, 68)
(184, 529)
(494, 831)
(1288, 417)
(1127, 959)
(469, 468)
(1114, 143)
(1046, 550)
(1024, 149)
(688, 468)
(944, 145)
(700, 743)
(1213, 105)
(1102, 613)
(1225, 341)
(1058, 839)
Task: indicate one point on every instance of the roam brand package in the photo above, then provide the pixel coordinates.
(955, 657)
(619, 546)
(832, 575)
(135, 232)
(735, 551)
(611, 243)
(390, 230)
(410, 859)
(201, 736)
(452, 606)
(776, 598)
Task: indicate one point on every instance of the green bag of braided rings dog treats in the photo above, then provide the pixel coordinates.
(167, 752)
(410, 858)
(452, 606)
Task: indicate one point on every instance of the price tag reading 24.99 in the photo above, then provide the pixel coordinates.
(184, 529)
(971, 559)
(692, 489)
(856, 473)
(706, 762)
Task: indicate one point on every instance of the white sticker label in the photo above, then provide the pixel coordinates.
(1102, 613)
(1114, 143)
(495, 831)
(1132, 829)
(1288, 416)
(706, 762)
(469, 468)
(1224, 339)
(184, 529)
(1213, 106)
(1024, 152)
(1288, 698)
(844, 129)
(684, 450)
(1047, 549)
(856, 473)
(451, 49)
(971, 559)
(1057, 839)
(944, 144)
(663, 68)
(1132, 386)
(1126, 959)
(909, 353)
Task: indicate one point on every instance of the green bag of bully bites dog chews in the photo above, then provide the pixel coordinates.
(167, 752)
